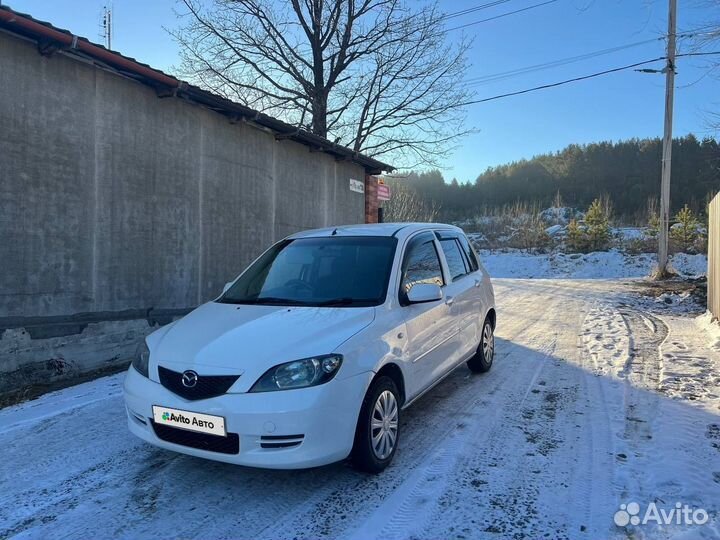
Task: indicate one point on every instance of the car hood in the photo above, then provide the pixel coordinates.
(225, 339)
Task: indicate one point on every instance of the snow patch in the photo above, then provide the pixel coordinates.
(597, 265)
(711, 326)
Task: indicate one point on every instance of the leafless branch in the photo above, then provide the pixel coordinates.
(379, 76)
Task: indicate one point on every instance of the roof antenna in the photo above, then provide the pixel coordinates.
(107, 26)
(334, 232)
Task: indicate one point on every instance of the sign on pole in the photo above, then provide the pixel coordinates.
(383, 192)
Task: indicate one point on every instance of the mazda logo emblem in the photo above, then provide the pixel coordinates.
(189, 378)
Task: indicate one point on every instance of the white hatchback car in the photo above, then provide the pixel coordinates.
(310, 355)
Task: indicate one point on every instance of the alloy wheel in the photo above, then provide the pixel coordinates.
(384, 425)
(488, 344)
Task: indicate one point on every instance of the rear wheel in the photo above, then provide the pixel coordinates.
(483, 359)
(376, 435)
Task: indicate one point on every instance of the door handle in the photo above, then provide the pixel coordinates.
(449, 301)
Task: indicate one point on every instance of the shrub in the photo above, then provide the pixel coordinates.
(636, 246)
(529, 233)
(653, 219)
(407, 205)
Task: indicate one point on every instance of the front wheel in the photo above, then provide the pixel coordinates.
(376, 435)
(483, 359)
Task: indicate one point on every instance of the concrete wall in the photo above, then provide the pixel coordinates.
(114, 201)
(714, 258)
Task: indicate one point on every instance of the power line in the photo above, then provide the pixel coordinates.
(472, 9)
(699, 31)
(708, 53)
(484, 79)
(566, 81)
(584, 77)
(474, 81)
(503, 15)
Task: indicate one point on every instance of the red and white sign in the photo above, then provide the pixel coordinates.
(383, 192)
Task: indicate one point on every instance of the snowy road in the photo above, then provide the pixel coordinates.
(592, 403)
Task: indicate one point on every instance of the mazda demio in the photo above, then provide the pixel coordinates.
(313, 352)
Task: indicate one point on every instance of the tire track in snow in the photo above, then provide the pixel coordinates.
(516, 494)
(413, 506)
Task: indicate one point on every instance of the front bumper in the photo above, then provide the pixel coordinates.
(325, 415)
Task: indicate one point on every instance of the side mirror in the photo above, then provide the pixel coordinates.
(227, 286)
(424, 292)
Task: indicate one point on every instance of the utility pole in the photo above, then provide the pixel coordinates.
(667, 144)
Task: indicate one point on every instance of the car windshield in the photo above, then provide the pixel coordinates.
(328, 271)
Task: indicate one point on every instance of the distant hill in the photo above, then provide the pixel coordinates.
(627, 171)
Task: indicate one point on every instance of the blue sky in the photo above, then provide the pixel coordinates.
(612, 107)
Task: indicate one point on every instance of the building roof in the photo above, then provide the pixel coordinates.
(51, 39)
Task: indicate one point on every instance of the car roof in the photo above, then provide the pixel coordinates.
(399, 230)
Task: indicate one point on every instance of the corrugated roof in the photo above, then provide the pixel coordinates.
(166, 84)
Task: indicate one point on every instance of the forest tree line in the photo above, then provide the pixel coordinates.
(628, 172)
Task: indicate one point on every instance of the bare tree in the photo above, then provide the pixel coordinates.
(378, 76)
(702, 39)
(406, 205)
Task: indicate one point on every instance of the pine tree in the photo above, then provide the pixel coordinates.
(685, 231)
(576, 237)
(597, 220)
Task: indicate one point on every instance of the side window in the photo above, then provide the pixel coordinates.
(455, 258)
(421, 264)
(469, 253)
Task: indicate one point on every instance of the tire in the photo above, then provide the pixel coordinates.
(369, 454)
(483, 359)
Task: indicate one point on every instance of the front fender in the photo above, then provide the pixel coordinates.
(380, 343)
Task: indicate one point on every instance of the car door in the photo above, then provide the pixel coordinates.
(481, 281)
(430, 328)
(462, 296)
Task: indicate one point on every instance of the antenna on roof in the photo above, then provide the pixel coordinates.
(107, 26)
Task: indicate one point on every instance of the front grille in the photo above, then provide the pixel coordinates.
(207, 386)
(201, 441)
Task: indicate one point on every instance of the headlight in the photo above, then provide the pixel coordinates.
(299, 374)
(142, 355)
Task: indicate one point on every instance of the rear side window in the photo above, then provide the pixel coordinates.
(469, 253)
(421, 264)
(455, 258)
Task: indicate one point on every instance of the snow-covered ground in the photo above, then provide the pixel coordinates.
(594, 402)
(603, 264)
